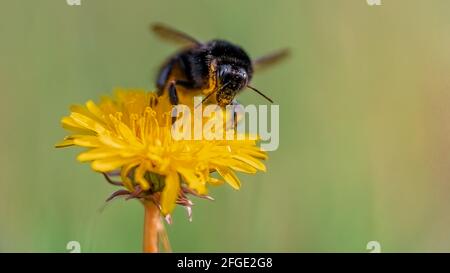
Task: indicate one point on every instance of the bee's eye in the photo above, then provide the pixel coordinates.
(224, 71)
(241, 75)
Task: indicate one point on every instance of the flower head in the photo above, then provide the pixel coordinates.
(130, 134)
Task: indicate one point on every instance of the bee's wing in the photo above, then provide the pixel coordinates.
(173, 35)
(270, 59)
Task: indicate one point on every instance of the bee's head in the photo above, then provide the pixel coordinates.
(230, 80)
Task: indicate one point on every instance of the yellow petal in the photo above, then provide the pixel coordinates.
(170, 193)
(124, 175)
(95, 154)
(69, 124)
(255, 163)
(107, 106)
(254, 152)
(139, 177)
(64, 143)
(234, 164)
(127, 134)
(86, 122)
(109, 164)
(79, 109)
(86, 141)
(112, 142)
(242, 167)
(215, 182)
(192, 180)
(230, 177)
(80, 140)
(95, 110)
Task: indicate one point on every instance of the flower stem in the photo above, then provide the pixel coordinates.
(151, 221)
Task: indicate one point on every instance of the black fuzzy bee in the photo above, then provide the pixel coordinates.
(215, 67)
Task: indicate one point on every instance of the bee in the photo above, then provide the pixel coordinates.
(217, 69)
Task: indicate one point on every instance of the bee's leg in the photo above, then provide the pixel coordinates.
(173, 95)
(235, 104)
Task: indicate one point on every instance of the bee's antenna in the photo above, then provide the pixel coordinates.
(209, 95)
(259, 92)
(203, 100)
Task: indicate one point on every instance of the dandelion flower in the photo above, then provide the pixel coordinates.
(129, 135)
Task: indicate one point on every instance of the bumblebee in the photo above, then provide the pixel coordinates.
(217, 69)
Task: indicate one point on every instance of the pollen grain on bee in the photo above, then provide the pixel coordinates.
(235, 122)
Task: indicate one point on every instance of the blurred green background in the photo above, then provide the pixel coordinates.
(364, 124)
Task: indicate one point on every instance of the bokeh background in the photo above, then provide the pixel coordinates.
(364, 124)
